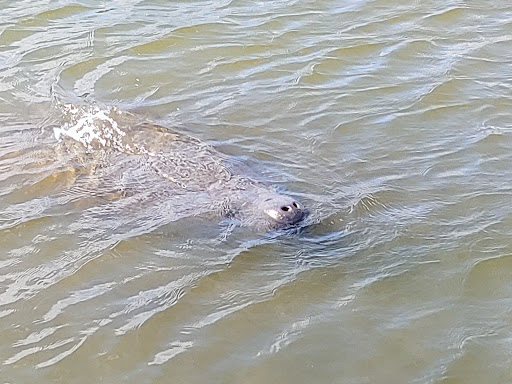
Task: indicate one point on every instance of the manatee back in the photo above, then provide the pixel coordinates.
(109, 135)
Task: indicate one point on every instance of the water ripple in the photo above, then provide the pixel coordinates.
(391, 121)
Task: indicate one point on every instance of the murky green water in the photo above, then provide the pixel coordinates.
(390, 120)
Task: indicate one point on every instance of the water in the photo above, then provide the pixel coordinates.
(389, 120)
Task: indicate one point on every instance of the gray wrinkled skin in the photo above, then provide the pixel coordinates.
(151, 162)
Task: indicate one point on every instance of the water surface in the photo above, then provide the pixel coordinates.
(389, 120)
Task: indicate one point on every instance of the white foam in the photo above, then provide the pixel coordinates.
(90, 126)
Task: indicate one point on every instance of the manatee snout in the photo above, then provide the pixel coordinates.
(284, 210)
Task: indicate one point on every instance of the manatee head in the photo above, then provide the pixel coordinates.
(282, 210)
(265, 209)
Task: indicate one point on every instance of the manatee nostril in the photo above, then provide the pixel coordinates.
(295, 205)
(285, 208)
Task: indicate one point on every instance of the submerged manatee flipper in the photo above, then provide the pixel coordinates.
(141, 157)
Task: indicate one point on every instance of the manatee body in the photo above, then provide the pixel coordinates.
(157, 163)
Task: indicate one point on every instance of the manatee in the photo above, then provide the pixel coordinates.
(134, 156)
